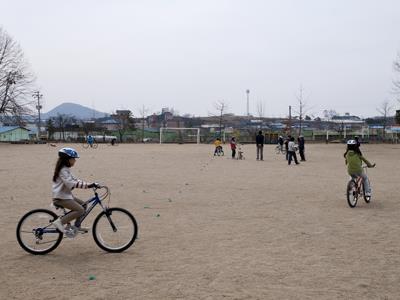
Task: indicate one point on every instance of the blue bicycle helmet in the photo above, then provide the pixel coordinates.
(68, 152)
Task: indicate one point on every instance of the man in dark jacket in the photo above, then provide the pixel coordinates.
(300, 142)
(260, 145)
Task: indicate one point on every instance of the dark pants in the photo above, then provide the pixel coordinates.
(260, 149)
(292, 154)
(287, 154)
(302, 157)
(233, 153)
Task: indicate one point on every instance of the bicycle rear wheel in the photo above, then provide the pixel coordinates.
(85, 145)
(95, 145)
(352, 194)
(36, 234)
(115, 229)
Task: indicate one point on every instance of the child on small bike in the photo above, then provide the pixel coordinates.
(63, 184)
(218, 147)
(353, 160)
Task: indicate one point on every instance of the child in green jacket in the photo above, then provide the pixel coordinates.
(354, 159)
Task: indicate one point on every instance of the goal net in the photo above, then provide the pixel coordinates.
(179, 135)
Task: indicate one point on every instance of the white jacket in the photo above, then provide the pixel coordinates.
(65, 183)
(292, 146)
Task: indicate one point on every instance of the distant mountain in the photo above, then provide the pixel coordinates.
(76, 110)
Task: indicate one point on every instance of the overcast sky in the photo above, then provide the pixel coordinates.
(188, 54)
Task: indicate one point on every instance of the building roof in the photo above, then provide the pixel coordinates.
(10, 128)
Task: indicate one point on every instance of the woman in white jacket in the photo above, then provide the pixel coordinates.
(63, 184)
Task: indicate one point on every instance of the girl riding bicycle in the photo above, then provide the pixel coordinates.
(353, 160)
(63, 184)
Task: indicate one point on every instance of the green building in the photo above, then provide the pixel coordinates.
(13, 134)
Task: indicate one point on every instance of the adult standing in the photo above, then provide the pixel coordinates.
(280, 143)
(286, 142)
(260, 145)
(300, 141)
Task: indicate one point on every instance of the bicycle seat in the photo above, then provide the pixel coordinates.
(57, 206)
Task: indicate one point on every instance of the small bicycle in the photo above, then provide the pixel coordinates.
(219, 151)
(240, 154)
(355, 188)
(114, 229)
(86, 145)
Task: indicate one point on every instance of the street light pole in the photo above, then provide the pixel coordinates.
(248, 92)
(37, 95)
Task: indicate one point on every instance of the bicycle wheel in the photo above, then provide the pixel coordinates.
(352, 195)
(36, 234)
(95, 145)
(85, 145)
(115, 229)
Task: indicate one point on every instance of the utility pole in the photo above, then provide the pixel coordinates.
(290, 120)
(37, 95)
(248, 92)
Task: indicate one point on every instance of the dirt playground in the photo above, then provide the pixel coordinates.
(210, 227)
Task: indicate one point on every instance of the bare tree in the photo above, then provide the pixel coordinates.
(125, 122)
(329, 113)
(61, 121)
(260, 109)
(385, 110)
(221, 108)
(16, 81)
(302, 107)
(396, 82)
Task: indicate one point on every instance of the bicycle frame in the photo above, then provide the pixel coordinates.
(93, 201)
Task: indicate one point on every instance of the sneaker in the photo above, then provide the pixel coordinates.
(368, 194)
(57, 223)
(81, 229)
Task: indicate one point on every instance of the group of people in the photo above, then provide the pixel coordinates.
(219, 150)
(291, 147)
(64, 182)
(289, 144)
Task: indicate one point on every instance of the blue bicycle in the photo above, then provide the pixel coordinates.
(114, 229)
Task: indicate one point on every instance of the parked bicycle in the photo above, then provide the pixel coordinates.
(114, 229)
(355, 188)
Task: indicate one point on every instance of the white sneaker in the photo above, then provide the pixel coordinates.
(57, 223)
(368, 194)
(81, 229)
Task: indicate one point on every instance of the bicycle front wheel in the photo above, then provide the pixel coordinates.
(85, 145)
(352, 194)
(115, 229)
(36, 234)
(95, 145)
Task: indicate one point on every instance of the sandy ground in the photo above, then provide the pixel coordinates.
(226, 229)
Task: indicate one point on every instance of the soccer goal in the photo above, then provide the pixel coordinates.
(179, 135)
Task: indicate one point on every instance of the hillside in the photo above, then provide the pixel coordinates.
(73, 109)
